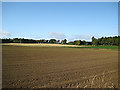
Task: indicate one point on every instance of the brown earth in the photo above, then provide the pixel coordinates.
(35, 67)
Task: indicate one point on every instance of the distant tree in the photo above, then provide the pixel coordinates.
(58, 41)
(89, 43)
(41, 40)
(94, 41)
(116, 41)
(16, 40)
(64, 41)
(84, 42)
(76, 42)
(71, 43)
(119, 40)
(47, 41)
(100, 41)
(79, 42)
(7, 40)
(38, 41)
(52, 41)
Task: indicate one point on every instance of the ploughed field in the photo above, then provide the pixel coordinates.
(52, 67)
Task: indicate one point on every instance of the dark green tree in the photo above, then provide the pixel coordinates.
(64, 41)
(94, 41)
(52, 41)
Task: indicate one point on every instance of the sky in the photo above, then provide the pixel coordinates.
(59, 20)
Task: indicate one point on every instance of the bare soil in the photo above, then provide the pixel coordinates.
(48, 67)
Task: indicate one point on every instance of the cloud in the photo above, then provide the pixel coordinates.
(34, 36)
(56, 35)
(4, 34)
(80, 37)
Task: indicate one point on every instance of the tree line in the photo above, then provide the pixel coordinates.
(100, 41)
(22, 40)
(106, 41)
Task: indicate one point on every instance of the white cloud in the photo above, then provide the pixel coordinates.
(86, 37)
(80, 37)
(56, 35)
(4, 34)
(34, 36)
